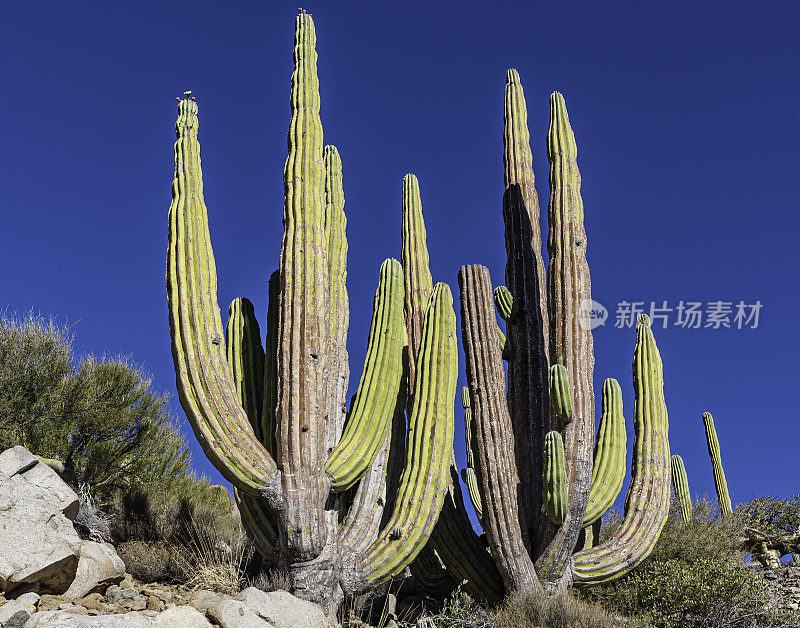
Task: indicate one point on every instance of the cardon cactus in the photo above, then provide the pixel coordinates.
(274, 420)
(680, 485)
(531, 447)
(720, 484)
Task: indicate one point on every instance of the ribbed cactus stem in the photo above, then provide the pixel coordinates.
(560, 394)
(417, 275)
(246, 359)
(424, 483)
(496, 466)
(554, 486)
(378, 390)
(303, 317)
(205, 384)
(570, 342)
(504, 302)
(608, 472)
(468, 473)
(527, 330)
(647, 504)
(680, 485)
(268, 437)
(720, 484)
(336, 225)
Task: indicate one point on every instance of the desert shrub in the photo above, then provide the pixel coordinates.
(695, 576)
(127, 458)
(99, 416)
(771, 514)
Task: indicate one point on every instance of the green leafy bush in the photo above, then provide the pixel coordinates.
(99, 416)
(771, 514)
(695, 576)
(125, 454)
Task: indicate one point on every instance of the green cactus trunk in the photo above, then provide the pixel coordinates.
(273, 421)
(720, 483)
(530, 464)
(680, 486)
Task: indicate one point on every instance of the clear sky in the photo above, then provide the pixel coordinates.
(686, 119)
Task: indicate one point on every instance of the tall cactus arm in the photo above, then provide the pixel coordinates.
(528, 330)
(468, 473)
(560, 395)
(720, 483)
(373, 495)
(462, 551)
(205, 385)
(554, 488)
(569, 286)
(303, 317)
(608, 472)
(680, 486)
(378, 390)
(336, 225)
(417, 274)
(647, 504)
(424, 483)
(246, 359)
(271, 365)
(495, 465)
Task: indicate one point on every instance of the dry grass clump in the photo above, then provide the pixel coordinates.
(530, 609)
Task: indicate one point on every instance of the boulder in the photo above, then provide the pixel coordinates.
(283, 610)
(15, 613)
(39, 543)
(99, 566)
(178, 617)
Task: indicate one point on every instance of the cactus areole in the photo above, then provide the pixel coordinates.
(272, 417)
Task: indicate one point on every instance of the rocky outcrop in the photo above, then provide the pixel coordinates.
(178, 617)
(98, 567)
(253, 608)
(50, 578)
(39, 543)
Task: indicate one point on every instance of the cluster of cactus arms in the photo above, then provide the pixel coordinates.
(538, 485)
(342, 499)
(680, 486)
(720, 484)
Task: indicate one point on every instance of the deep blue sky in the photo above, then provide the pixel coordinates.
(686, 117)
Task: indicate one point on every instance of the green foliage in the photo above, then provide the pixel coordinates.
(695, 576)
(99, 416)
(771, 514)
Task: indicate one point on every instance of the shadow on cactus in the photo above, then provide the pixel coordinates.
(538, 484)
(342, 500)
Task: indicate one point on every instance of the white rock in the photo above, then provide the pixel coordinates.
(182, 617)
(230, 613)
(178, 617)
(14, 613)
(282, 609)
(37, 540)
(99, 566)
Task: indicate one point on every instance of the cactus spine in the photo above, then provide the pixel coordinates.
(720, 484)
(531, 445)
(680, 485)
(272, 420)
